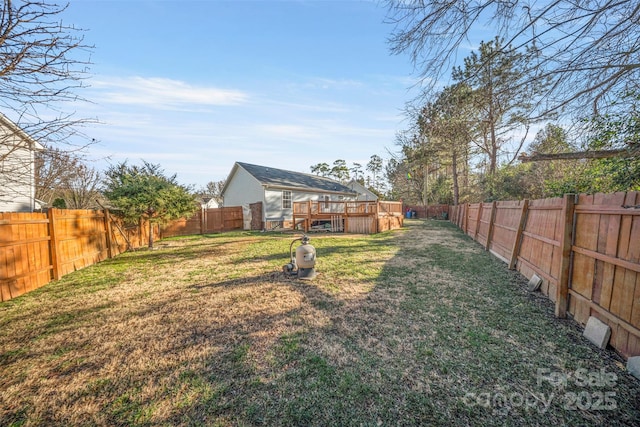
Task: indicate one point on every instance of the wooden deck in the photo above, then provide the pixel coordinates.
(348, 217)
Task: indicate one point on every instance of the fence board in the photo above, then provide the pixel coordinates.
(81, 238)
(430, 211)
(505, 228)
(588, 254)
(539, 251)
(484, 223)
(24, 257)
(186, 226)
(38, 247)
(472, 219)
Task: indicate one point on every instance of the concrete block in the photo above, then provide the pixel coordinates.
(534, 283)
(597, 332)
(633, 366)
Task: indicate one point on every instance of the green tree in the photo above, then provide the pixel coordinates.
(622, 173)
(502, 94)
(375, 166)
(436, 148)
(340, 171)
(356, 170)
(453, 133)
(59, 203)
(543, 177)
(144, 192)
(322, 169)
(510, 182)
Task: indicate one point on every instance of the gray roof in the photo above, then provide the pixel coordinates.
(296, 180)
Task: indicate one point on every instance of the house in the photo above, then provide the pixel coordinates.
(17, 168)
(207, 202)
(277, 189)
(364, 194)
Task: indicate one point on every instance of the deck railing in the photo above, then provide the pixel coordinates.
(349, 216)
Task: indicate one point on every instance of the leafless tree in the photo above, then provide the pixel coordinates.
(64, 175)
(213, 189)
(589, 50)
(54, 168)
(82, 189)
(43, 66)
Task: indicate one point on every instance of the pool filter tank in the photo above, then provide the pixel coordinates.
(303, 263)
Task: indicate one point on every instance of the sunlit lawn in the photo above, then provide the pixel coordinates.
(414, 327)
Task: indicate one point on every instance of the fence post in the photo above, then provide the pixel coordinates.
(53, 244)
(466, 218)
(492, 219)
(203, 219)
(516, 242)
(566, 243)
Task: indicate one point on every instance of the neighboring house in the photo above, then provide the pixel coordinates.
(17, 168)
(207, 202)
(364, 194)
(277, 189)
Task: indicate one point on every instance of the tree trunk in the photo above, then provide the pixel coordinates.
(454, 174)
(493, 155)
(150, 234)
(425, 187)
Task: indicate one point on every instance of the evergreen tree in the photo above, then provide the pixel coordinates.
(503, 95)
(340, 171)
(144, 192)
(322, 169)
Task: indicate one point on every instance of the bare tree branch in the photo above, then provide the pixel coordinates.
(43, 67)
(590, 50)
(589, 154)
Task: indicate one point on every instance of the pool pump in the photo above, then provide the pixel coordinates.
(303, 263)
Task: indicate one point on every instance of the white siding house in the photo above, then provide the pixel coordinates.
(277, 189)
(364, 194)
(207, 202)
(17, 168)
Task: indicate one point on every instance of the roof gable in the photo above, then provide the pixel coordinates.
(273, 177)
(361, 189)
(14, 129)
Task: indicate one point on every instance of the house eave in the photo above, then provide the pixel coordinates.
(307, 190)
(21, 133)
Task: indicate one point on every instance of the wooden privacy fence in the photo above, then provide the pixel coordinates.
(364, 217)
(429, 211)
(214, 220)
(585, 248)
(36, 248)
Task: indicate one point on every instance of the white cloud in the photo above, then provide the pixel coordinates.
(164, 93)
(290, 125)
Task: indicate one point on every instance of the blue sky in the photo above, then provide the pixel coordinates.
(198, 85)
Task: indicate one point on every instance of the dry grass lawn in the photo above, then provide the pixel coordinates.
(414, 327)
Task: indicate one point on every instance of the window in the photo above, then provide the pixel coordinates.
(286, 199)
